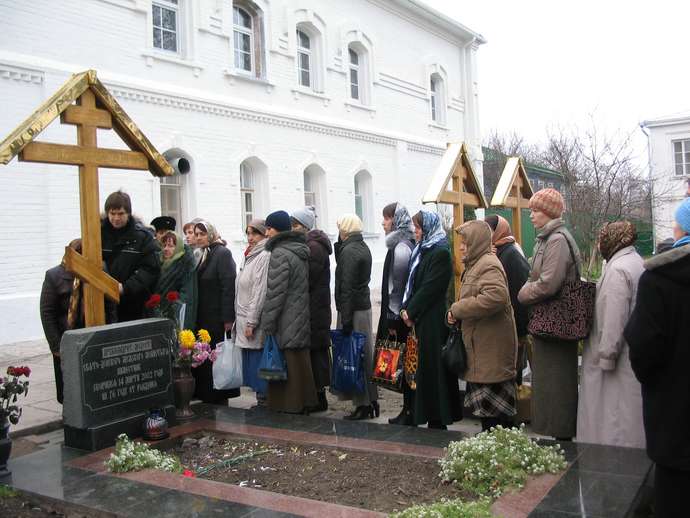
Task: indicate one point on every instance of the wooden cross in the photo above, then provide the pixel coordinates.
(95, 108)
(513, 191)
(88, 266)
(466, 192)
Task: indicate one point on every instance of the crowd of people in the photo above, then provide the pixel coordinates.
(633, 362)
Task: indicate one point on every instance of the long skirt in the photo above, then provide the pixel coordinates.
(298, 392)
(492, 399)
(361, 323)
(321, 367)
(250, 371)
(554, 388)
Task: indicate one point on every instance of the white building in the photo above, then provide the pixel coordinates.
(273, 103)
(669, 159)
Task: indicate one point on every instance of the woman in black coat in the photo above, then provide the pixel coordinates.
(517, 271)
(215, 304)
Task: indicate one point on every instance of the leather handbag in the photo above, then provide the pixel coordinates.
(389, 363)
(453, 352)
(569, 314)
(411, 359)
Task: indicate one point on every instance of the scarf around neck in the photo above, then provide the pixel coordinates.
(433, 236)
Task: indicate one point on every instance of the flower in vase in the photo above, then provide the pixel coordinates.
(187, 339)
(204, 336)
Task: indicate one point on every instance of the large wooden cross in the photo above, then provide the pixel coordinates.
(456, 167)
(513, 191)
(83, 101)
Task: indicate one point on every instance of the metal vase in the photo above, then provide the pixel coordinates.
(183, 387)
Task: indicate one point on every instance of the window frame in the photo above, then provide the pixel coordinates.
(355, 68)
(309, 53)
(245, 31)
(437, 99)
(363, 190)
(175, 7)
(247, 170)
(684, 155)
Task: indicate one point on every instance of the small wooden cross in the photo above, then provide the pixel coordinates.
(513, 191)
(466, 192)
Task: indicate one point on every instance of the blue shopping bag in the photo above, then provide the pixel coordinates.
(347, 376)
(272, 366)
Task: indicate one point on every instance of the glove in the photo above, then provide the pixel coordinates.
(347, 329)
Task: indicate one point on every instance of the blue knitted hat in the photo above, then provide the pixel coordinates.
(279, 220)
(682, 216)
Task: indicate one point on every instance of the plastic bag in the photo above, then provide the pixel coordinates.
(348, 352)
(272, 366)
(227, 369)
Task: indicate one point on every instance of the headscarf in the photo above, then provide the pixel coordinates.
(179, 250)
(213, 237)
(402, 222)
(433, 235)
(503, 233)
(349, 224)
(477, 236)
(616, 236)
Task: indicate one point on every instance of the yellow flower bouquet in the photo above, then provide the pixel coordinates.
(194, 349)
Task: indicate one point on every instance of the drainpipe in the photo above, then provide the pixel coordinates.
(651, 183)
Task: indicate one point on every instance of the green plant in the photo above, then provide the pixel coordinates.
(7, 491)
(448, 509)
(134, 456)
(491, 462)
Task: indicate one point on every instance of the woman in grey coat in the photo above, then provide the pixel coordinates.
(353, 302)
(285, 314)
(610, 409)
(556, 260)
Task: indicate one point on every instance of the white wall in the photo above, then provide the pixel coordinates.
(669, 188)
(195, 104)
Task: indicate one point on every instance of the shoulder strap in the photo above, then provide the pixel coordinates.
(572, 252)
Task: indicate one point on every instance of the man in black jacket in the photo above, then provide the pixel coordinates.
(657, 334)
(130, 254)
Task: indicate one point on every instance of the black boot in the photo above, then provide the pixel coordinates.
(360, 413)
(322, 405)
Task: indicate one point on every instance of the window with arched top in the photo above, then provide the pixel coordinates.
(253, 190)
(437, 98)
(359, 72)
(247, 38)
(315, 193)
(309, 57)
(304, 59)
(364, 199)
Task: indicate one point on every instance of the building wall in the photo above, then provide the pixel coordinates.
(197, 104)
(669, 188)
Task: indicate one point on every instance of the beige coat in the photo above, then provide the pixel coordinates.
(610, 407)
(250, 295)
(488, 325)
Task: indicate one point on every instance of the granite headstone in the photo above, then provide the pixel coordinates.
(114, 375)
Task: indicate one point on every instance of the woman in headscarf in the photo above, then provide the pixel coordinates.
(177, 274)
(437, 395)
(251, 294)
(515, 265)
(215, 304)
(610, 407)
(555, 261)
(397, 225)
(488, 329)
(353, 302)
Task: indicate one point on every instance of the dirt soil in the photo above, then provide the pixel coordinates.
(379, 482)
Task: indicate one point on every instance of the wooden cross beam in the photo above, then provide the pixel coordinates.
(513, 191)
(88, 266)
(456, 168)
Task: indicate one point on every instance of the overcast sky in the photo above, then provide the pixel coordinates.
(549, 63)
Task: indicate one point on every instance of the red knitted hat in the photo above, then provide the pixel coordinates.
(549, 201)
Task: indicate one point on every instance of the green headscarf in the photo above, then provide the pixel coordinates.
(179, 250)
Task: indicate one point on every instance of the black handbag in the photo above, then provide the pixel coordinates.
(453, 354)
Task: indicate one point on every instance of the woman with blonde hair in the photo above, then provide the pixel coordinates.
(353, 302)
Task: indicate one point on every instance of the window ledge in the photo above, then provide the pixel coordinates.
(297, 91)
(439, 126)
(150, 56)
(233, 76)
(353, 104)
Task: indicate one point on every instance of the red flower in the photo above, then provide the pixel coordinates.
(153, 301)
(188, 473)
(11, 371)
(26, 371)
(172, 296)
